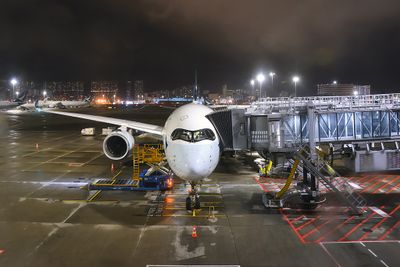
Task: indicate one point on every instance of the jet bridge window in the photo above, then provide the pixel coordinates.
(192, 136)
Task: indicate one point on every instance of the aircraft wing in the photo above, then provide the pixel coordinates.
(143, 127)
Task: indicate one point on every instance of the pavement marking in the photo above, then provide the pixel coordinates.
(362, 244)
(94, 158)
(354, 185)
(329, 254)
(384, 263)
(379, 212)
(370, 251)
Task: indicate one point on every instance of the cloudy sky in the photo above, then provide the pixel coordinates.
(227, 41)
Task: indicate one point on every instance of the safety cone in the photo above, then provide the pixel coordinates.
(194, 232)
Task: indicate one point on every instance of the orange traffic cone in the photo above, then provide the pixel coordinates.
(194, 232)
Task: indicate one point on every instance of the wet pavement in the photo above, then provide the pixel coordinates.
(48, 218)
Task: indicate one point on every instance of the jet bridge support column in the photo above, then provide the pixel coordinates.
(311, 128)
(305, 174)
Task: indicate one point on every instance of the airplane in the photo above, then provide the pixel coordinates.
(5, 104)
(57, 104)
(191, 142)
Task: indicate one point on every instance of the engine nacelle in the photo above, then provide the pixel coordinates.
(118, 144)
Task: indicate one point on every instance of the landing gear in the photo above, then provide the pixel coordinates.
(193, 200)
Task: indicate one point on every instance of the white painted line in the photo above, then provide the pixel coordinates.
(329, 254)
(355, 186)
(379, 212)
(372, 253)
(384, 263)
(362, 244)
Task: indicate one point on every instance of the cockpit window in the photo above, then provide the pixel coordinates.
(192, 136)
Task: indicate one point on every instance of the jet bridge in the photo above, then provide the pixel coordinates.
(367, 127)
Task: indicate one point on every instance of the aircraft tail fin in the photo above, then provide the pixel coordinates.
(22, 97)
(195, 88)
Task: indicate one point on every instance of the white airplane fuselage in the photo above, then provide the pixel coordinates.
(191, 142)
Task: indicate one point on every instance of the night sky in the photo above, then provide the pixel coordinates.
(162, 42)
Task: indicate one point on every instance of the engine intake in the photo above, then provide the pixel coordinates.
(118, 144)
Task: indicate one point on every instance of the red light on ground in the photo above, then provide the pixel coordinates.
(170, 183)
(169, 200)
(2, 251)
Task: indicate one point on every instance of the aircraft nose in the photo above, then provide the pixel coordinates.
(194, 162)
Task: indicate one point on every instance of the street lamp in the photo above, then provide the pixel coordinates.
(272, 74)
(44, 94)
(17, 93)
(334, 82)
(13, 83)
(295, 80)
(260, 78)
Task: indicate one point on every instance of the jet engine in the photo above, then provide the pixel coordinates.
(118, 144)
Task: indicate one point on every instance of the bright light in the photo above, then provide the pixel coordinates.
(295, 79)
(17, 93)
(355, 92)
(335, 82)
(252, 82)
(260, 78)
(44, 93)
(272, 74)
(13, 81)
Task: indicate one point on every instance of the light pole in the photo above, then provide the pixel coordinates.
(295, 80)
(260, 78)
(44, 94)
(252, 85)
(13, 83)
(272, 74)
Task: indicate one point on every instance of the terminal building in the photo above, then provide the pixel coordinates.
(335, 89)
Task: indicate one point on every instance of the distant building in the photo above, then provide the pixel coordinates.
(138, 87)
(333, 89)
(104, 89)
(183, 91)
(129, 93)
(63, 89)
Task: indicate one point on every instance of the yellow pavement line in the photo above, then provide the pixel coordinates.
(83, 200)
(114, 179)
(94, 195)
(183, 208)
(191, 216)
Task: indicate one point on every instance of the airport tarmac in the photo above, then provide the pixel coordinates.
(47, 219)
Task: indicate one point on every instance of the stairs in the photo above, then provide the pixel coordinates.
(331, 179)
(137, 160)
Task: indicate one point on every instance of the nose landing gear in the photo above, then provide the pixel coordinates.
(193, 200)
